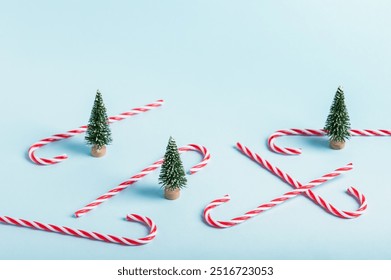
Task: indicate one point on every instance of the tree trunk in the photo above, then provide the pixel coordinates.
(172, 194)
(95, 152)
(336, 145)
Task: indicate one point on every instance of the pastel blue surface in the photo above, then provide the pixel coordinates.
(229, 71)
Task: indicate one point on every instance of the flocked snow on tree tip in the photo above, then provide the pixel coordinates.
(172, 175)
(338, 123)
(98, 132)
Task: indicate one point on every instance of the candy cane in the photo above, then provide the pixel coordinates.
(294, 183)
(266, 206)
(142, 174)
(300, 189)
(315, 132)
(88, 234)
(82, 129)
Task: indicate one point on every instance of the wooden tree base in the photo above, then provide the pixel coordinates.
(336, 145)
(172, 194)
(95, 152)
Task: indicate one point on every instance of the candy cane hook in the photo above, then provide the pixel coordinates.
(142, 174)
(88, 234)
(81, 129)
(315, 132)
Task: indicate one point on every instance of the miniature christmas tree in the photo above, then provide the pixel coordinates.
(338, 124)
(98, 132)
(172, 174)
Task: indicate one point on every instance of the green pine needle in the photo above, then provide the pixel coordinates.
(172, 174)
(338, 122)
(98, 131)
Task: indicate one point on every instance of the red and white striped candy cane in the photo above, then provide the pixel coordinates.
(300, 189)
(294, 183)
(266, 206)
(315, 132)
(88, 234)
(142, 174)
(82, 129)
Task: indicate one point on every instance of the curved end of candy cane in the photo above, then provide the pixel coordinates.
(205, 153)
(291, 132)
(46, 161)
(213, 204)
(147, 222)
(60, 158)
(349, 214)
(139, 218)
(361, 200)
(281, 150)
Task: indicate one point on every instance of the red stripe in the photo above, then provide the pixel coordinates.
(15, 222)
(42, 226)
(57, 228)
(27, 223)
(210, 221)
(101, 237)
(145, 239)
(72, 231)
(117, 239)
(86, 233)
(293, 151)
(132, 241)
(385, 131)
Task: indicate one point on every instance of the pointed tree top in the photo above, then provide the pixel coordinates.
(98, 95)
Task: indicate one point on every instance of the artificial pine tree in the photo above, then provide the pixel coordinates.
(98, 132)
(172, 175)
(337, 123)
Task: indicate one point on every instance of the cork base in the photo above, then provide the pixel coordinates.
(336, 145)
(95, 152)
(172, 194)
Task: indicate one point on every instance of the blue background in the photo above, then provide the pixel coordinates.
(229, 71)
